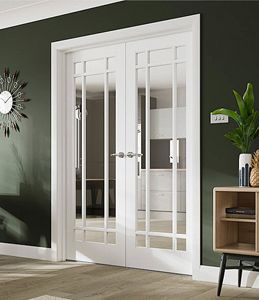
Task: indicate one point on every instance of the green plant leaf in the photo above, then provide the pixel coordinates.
(235, 136)
(256, 133)
(249, 98)
(247, 121)
(228, 112)
(251, 125)
(241, 105)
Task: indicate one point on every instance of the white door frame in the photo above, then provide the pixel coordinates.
(59, 114)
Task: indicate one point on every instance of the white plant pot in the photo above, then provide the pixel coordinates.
(245, 161)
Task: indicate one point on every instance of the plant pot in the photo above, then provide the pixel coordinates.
(245, 161)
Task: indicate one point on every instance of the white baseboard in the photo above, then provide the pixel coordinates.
(210, 274)
(27, 251)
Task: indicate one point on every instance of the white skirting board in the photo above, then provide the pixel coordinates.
(210, 274)
(27, 251)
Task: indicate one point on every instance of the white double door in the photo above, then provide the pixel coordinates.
(128, 180)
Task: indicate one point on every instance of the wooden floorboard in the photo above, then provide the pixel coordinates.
(22, 279)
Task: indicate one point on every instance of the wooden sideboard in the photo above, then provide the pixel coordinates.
(236, 238)
(235, 235)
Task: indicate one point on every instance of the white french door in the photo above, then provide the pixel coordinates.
(128, 185)
(96, 175)
(158, 97)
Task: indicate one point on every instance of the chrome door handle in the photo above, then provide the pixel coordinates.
(131, 154)
(120, 154)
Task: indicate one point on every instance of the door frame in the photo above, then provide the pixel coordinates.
(59, 114)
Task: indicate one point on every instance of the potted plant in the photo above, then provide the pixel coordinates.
(247, 130)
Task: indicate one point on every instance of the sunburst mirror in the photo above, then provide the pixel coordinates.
(12, 98)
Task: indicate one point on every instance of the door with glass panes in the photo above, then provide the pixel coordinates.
(130, 201)
(96, 210)
(158, 97)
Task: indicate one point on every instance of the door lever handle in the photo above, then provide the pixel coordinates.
(131, 154)
(120, 154)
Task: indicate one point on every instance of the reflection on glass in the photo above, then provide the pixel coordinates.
(95, 150)
(112, 149)
(181, 244)
(141, 188)
(161, 242)
(140, 241)
(181, 135)
(79, 235)
(78, 68)
(181, 201)
(141, 59)
(181, 84)
(95, 66)
(160, 221)
(161, 134)
(111, 63)
(181, 52)
(111, 238)
(94, 236)
(78, 97)
(161, 89)
(161, 56)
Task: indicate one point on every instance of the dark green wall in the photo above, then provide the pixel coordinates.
(229, 59)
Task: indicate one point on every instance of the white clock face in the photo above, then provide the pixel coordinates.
(6, 102)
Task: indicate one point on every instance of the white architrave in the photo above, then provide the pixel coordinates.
(58, 119)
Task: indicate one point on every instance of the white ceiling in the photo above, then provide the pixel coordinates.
(17, 12)
(7, 5)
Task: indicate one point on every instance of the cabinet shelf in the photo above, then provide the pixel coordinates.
(238, 248)
(235, 235)
(238, 220)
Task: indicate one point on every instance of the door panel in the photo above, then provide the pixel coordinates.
(157, 209)
(96, 212)
(133, 209)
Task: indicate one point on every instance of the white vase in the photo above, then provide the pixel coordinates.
(245, 161)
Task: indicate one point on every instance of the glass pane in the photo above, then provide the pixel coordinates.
(181, 146)
(181, 244)
(111, 63)
(78, 68)
(112, 149)
(161, 168)
(94, 236)
(160, 221)
(181, 52)
(79, 235)
(181, 84)
(161, 56)
(141, 165)
(161, 89)
(141, 59)
(111, 238)
(78, 97)
(160, 242)
(140, 241)
(95, 150)
(95, 66)
(181, 202)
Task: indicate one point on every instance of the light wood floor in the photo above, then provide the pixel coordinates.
(33, 279)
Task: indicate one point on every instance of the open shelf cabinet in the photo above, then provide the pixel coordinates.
(235, 235)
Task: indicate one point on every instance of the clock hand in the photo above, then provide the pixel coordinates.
(7, 99)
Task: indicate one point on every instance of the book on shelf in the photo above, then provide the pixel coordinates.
(240, 216)
(240, 212)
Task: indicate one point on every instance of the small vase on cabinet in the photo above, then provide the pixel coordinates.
(245, 161)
